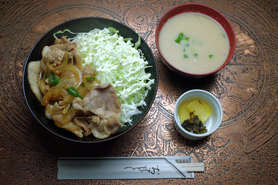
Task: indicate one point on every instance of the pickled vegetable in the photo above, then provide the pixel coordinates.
(194, 124)
(199, 107)
(193, 114)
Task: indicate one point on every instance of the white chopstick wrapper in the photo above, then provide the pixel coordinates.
(127, 167)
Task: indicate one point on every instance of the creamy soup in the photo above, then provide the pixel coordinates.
(194, 43)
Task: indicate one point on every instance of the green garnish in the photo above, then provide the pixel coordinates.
(187, 44)
(90, 79)
(127, 39)
(138, 43)
(112, 30)
(184, 50)
(195, 54)
(180, 37)
(186, 38)
(53, 79)
(223, 35)
(210, 56)
(185, 56)
(74, 92)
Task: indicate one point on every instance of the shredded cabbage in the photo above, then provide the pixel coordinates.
(119, 63)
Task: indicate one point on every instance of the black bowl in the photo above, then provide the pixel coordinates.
(85, 25)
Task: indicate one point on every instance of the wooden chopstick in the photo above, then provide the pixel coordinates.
(193, 167)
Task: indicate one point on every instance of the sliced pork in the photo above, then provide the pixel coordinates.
(100, 110)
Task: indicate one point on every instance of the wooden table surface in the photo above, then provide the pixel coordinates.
(244, 150)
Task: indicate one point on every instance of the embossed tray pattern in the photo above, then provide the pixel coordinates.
(242, 151)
